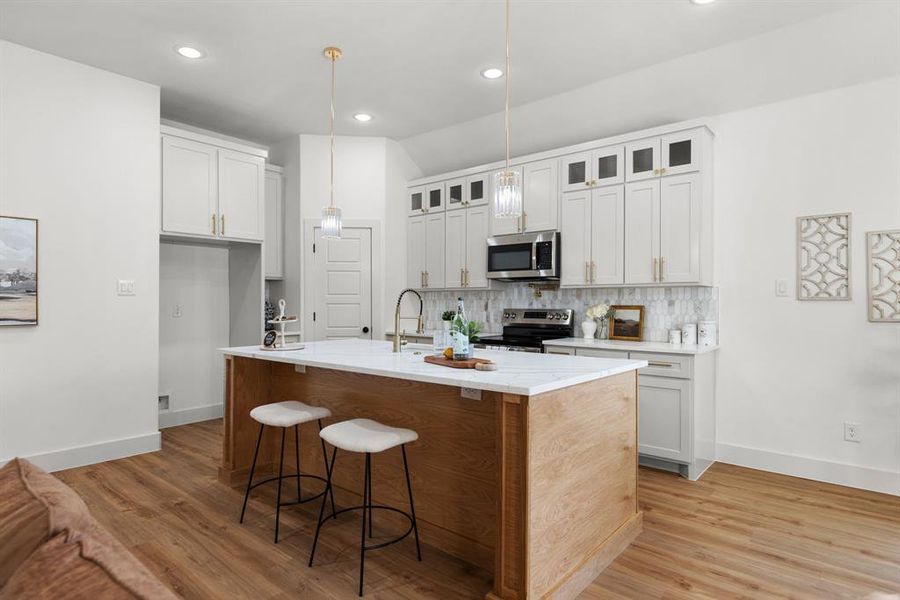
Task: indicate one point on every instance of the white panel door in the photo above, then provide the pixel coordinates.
(642, 160)
(434, 250)
(342, 285)
(274, 226)
(575, 231)
(641, 231)
(505, 225)
(540, 195)
(679, 234)
(189, 193)
(455, 259)
(607, 235)
(664, 418)
(415, 252)
(241, 195)
(476, 246)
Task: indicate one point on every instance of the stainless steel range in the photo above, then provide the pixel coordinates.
(525, 329)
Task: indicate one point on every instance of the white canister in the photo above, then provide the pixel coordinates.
(689, 333)
(675, 337)
(707, 333)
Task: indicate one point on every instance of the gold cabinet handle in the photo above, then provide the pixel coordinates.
(656, 171)
(592, 271)
(652, 363)
(465, 278)
(421, 278)
(214, 224)
(426, 278)
(222, 225)
(662, 171)
(524, 221)
(586, 279)
(655, 269)
(587, 184)
(662, 267)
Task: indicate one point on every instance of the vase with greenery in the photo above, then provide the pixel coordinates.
(600, 313)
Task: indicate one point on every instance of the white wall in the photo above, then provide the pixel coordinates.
(193, 278)
(79, 150)
(790, 373)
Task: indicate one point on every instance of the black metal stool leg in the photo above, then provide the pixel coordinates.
(280, 476)
(325, 458)
(297, 458)
(366, 508)
(329, 471)
(412, 508)
(369, 488)
(252, 468)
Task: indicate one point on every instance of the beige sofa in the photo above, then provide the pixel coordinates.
(51, 546)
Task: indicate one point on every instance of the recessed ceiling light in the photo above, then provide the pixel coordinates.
(703, 1)
(189, 52)
(492, 73)
(362, 117)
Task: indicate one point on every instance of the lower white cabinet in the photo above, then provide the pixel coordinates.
(425, 251)
(274, 240)
(664, 419)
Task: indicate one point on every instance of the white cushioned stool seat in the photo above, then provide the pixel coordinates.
(288, 414)
(366, 435)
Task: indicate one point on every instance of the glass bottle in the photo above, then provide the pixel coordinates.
(459, 331)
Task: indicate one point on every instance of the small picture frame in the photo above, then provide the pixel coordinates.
(627, 323)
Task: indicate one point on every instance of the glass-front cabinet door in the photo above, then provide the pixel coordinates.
(642, 160)
(576, 172)
(680, 152)
(434, 197)
(477, 189)
(608, 166)
(456, 189)
(416, 201)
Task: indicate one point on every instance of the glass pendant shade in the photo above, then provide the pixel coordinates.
(331, 222)
(507, 194)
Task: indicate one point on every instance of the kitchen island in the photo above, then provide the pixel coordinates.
(529, 471)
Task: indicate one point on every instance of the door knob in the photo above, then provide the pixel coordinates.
(365, 330)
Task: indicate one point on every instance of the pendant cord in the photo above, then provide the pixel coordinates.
(507, 85)
(333, 58)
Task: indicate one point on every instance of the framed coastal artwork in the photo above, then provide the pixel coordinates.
(627, 323)
(18, 271)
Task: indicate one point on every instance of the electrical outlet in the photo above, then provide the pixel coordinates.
(299, 368)
(470, 393)
(176, 311)
(852, 432)
(126, 287)
(781, 288)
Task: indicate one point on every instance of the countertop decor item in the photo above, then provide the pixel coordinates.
(18, 271)
(589, 328)
(601, 314)
(707, 333)
(468, 363)
(689, 333)
(883, 266)
(280, 321)
(823, 257)
(627, 323)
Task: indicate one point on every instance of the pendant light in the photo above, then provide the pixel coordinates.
(331, 215)
(507, 183)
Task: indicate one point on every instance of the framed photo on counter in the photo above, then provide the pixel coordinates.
(627, 323)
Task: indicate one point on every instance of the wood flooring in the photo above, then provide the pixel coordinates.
(737, 533)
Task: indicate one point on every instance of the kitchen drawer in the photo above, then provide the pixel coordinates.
(601, 353)
(666, 365)
(559, 350)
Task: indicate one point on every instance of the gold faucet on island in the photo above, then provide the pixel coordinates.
(420, 324)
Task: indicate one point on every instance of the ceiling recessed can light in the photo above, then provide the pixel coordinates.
(189, 52)
(362, 117)
(492, 73)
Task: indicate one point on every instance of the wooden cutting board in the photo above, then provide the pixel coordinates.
(456, 364)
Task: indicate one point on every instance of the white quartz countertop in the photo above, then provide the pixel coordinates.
(655, 347)
(521, 373)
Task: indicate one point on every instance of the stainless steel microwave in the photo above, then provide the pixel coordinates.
(526, 256)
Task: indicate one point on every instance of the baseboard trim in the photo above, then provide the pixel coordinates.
(865, 478)
(174, 418)
(79, 456)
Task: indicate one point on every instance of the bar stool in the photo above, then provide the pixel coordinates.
(368, 437)
(285, 415)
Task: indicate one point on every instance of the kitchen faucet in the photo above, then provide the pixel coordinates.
(420, 326)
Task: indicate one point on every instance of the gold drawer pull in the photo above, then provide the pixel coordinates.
(659, 364)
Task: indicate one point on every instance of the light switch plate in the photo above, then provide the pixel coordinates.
(126, 287)
(781, 288)
(176, 311)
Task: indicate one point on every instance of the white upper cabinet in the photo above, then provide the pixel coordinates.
(415, 252)
(642, 232)
(189, 196)
(540, 195)
(593, 227)
(602, 167)
(477, 218)
(642, 160)
(434, 250)
(455, 271)
(434, 197)
(416, 203)
(679, 231)
(575, 233)
(456, 189)
(682, 152)
(241, 194)
(274, 240)
(477, 187)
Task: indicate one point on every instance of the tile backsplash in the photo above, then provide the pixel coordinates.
(664, 307)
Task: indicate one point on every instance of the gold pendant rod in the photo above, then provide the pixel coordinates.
(507, 85)
(334, 54)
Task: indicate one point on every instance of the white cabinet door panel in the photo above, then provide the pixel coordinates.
(434, 250)
(477, 188)
(607, 228)
(434, 197)
(416, 201)
(541, 195)
(575, 233)
(664, 418)
(415, 252)
(241, 193)
(189, 194)
(608, 166)
(476, 246)
(455, 261)
(274, 226)
(680, 152)
(456, 193)
(641, 231)
(642, 160)
(576, 172)
(679, 251)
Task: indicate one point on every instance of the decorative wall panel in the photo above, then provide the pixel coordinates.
(883, 264)
(823, 257)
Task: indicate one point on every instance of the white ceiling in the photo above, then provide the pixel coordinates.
(413, 64)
